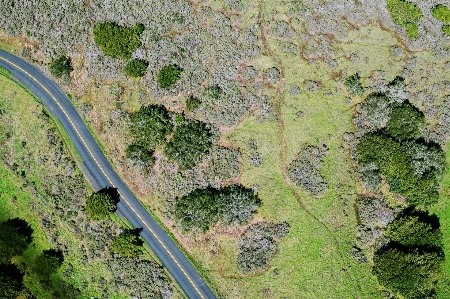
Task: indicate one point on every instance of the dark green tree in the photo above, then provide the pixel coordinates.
(136, 68)
(61, 66)
(128, 243)
(405, 122)
(189, 144)
(353, 85)
(168, 76)
(150, 125)
(412, 230)
(116, 41)
(10, 281)
(47, 262)
(100, 205)
(15, 236)
(411, 273)
(197, 210)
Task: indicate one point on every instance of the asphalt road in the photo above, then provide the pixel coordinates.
(102, 172)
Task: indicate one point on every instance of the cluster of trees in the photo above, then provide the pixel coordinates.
(203, 208)
(412, 262)
(409, 258)
(442, 13)
(120, 42)
(15, 237)
(405, 14)
(411, 166)
(151, 126)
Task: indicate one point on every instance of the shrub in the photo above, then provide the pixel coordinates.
(376, 110)
(413, 230)
(446, 29)
(304, 170)
(15, 236)
(192, 103)
(189, 144)
(141, 157)
(10, 281)
(405, 14)
(47, 262)
(353, 85)
(405, 122)
(213, 91)
(442, 13)
(138, 29)
(100, 205)
(150, 125)
(136, 68)
(60, 66)
(116, 41)
(411, 273)
(128, 243)
(168, 76)
(202, 208)
(257, 245)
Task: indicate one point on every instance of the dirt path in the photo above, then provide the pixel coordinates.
(279, 100)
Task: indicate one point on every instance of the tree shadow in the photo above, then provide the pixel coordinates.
(22, 227)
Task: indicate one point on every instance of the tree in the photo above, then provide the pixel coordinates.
(10, 281)
(405, 122)
(406, 14)
(136, 68)
(61, 66)
(236, 204)
(47, 262)
(442, 13)
(414, 230)
(100, 205)
(150, 125)
(15, 236)
(353, 85)
(128, 243)
(116, 41)
(413, 273)
(190, 142)
(168, 76)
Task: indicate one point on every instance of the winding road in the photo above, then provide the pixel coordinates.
(57, 103)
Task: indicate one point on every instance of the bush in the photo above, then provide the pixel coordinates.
(141, 157)
(116, 41)
(257, 245)
(446, 29)
(405, 14)
(189, 144)
(202, 208)
(10, 281)
(405, 122)
(415, 230)
(442, 13)
(128, 243)
(135, 68)
(168, 76)
(100, 205)
(410, 273)
(192, 103)
(149, 126)
(47, 262)
(61, 66)
(138, 29)
(15, 236)
(353, 85)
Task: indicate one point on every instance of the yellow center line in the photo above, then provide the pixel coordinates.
(107, 177)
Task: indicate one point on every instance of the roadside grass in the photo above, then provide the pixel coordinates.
(30, 126)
